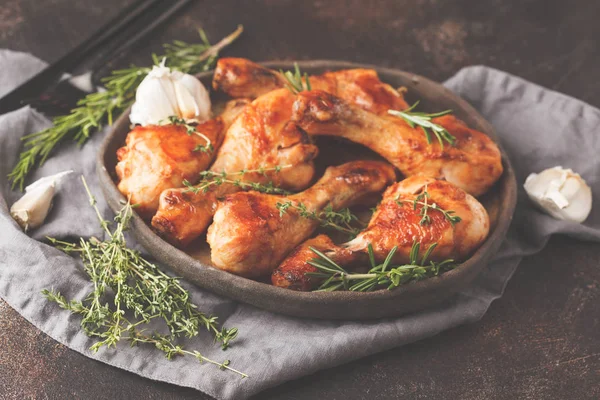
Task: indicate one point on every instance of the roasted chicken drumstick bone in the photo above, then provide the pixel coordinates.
(159, 157)
(473, 164)
(250, 235)
(397, 222)
(261, 137)
(239, 77)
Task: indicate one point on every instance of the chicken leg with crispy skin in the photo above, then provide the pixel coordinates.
(159, 157)
(473, 164)
(250, 236)
(261, 137)
(239, 77)
(397, 223)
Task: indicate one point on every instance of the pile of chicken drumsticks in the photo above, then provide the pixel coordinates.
(267, 132)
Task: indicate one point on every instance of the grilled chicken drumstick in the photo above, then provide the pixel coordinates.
(250, 235)
(159, 157)
(397, 222)
(473, 164)
(239, 77)
(261, 137)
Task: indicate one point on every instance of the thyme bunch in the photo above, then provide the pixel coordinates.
(124, 284)
(342, 221)
(99, 108)
(380, 275)
(423, 121)
(211, 178)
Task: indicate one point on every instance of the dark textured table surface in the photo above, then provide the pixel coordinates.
(539, 341)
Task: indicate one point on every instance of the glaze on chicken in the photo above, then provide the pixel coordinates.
(261, 137)
(250, 235)
(159, 157)
(473, 164)
(292, 273)
(397, 223)
(239, 77)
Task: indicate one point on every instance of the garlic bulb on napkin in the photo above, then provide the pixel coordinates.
(561, 193)
(31, 210)
(164, 93)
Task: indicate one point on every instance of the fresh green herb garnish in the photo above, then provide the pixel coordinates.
(341, 220)
(423, 200)
(98, 108)
(380, 275)
(191, 130)
(423, 121)
(130, 291)
(296, 82)
(210, 178)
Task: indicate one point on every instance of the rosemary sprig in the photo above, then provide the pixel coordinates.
(210, 178)
(423, 200)
(380, 275)
(296, 82)
(341, 220)
(96, 109)
(190, 129)
(423, 121)
(138, 288)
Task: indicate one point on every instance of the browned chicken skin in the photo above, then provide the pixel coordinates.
(239, 77)
(250, 236)
(156, 158)
(473, 164)
(397, 223)
(292, 272)
(261, 137)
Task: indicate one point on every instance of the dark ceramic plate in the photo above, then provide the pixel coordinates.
(196, 268)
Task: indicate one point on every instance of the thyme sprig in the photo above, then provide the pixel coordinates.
(380, 275)
(423, 121)
(211, 178)
(130, 291)
(423, 200)
(99, 108)
(296, 82)
(190, 129)
(342, 220)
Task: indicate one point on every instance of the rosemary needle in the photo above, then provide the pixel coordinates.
(296, 82)
(379, 276)
(423, 121)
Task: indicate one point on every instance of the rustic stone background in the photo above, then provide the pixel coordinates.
(539, 341)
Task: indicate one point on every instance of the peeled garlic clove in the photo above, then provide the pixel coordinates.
(164, 93)
(31, 210)
(561, 193)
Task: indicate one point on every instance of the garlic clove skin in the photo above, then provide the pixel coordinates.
(164, 93)
(199, 93)
(31, 210)
(561, 193)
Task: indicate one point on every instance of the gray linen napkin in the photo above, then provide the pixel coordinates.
(539, 129)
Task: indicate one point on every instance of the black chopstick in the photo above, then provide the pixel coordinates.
(52, 73)
(139, 32)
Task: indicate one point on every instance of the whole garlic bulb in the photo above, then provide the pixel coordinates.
(164, 93)
(561, 193)
(31, 210)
